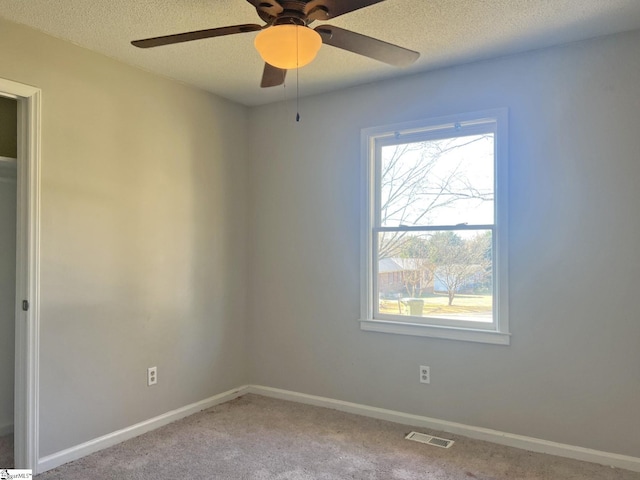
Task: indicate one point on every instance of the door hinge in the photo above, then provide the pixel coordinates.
(25, 305)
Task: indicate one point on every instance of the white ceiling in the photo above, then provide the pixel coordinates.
(445, 32)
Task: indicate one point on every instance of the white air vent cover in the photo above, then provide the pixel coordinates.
(429, 440)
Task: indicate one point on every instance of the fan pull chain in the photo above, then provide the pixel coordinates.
(297, 96)
(297, 77)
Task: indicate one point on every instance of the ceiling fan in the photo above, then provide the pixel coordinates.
(287, 42)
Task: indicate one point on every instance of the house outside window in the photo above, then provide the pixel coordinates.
(435, 228)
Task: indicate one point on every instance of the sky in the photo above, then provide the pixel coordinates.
(473, 161)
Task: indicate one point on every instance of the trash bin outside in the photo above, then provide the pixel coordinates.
(415, 306)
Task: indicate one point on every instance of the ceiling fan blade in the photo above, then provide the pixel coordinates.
(272, 76)
(197, 35)
(271, 7)
(327, 9)
(367, 46)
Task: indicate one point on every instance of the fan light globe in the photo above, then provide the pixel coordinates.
(288, 46)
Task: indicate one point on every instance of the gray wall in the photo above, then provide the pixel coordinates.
(143, 228)
(572, 368)
(151, 190)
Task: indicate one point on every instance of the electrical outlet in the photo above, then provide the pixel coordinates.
(425, 374)
(152, 376)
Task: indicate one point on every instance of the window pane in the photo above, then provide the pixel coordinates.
(438, 182)
(442, 274)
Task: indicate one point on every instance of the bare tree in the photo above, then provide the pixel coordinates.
(459, 261)
(417, 274)
(412, 187)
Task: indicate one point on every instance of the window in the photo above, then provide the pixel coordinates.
(435, 252)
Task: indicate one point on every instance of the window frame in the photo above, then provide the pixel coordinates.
(436, 128)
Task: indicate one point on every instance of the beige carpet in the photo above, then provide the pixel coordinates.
(6, 451)
(258, 438)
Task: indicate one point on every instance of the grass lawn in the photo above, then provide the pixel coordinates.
(436, 303)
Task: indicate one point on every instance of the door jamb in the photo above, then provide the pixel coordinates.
(26, 402)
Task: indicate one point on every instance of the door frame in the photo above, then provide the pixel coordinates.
(27, 347)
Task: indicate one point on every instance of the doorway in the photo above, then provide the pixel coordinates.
(8, 225)
(26, 319)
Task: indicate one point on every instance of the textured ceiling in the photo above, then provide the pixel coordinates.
(445, 32)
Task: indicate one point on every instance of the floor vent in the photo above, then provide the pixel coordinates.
(429, 440)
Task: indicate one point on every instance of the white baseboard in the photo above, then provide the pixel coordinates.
(478, 433)
(494, 436)
(6, 429)
(56, 459)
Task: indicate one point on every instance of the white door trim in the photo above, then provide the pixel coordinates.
(27, 272)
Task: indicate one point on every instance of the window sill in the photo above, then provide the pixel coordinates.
(434, 331)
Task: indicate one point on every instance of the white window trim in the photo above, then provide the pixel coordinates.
(500, 335)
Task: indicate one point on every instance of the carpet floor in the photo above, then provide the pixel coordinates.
(259, 438)
(6, 451)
